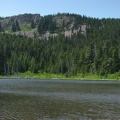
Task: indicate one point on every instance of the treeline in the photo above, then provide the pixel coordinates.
(97, 52)
(46, 23)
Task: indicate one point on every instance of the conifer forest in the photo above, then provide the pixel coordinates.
(96, 51)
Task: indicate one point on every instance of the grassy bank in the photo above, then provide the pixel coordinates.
(44, 75)
(40, 75)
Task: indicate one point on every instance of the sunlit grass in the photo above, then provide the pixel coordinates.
(28, 74)
(23, 28)
(26, 28)
(80, 76)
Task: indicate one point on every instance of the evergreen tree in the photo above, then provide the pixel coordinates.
(40, 27)
(97, 52)
(32, 24)
(0, 27)
(15, 26)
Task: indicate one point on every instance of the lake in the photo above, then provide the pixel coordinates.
(34, 99)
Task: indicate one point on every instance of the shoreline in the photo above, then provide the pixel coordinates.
(44, 75)
(47, 78)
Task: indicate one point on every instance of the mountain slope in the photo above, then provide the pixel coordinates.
(69, 44)
(23, 19)
(52, 25)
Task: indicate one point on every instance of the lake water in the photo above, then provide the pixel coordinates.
(32, 99)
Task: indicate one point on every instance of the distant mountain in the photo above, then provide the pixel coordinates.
(23, 19)
(50, 25)
(64, 43)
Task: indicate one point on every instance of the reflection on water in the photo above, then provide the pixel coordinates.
(24, 99)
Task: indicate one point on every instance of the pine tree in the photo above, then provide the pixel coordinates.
(17, 25)
(32, 24)
(13, 27)
(0, 27)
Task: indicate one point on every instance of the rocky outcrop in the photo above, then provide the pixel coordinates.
(64, 23)
(23, 19)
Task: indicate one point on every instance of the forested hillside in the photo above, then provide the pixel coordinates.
(94, 49)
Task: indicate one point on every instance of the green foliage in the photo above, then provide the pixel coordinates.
(26, 28)
(15, 26)
(46, 23)
(33, 24)
(95, 54)
(0, 27)
(40, 75)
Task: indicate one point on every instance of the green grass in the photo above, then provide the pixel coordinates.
(88, 76)
(43, 75)
(63, 76)
(114, 76)
(23, 28)
(9, 31)
(26, 28)
(40, 75)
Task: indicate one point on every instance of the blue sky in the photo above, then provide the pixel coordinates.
(90, 8)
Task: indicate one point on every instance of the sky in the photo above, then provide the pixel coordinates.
(90, 8)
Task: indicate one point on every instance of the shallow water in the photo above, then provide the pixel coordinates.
(32, 99)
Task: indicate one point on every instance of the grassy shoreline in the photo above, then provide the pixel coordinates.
(63, 76)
